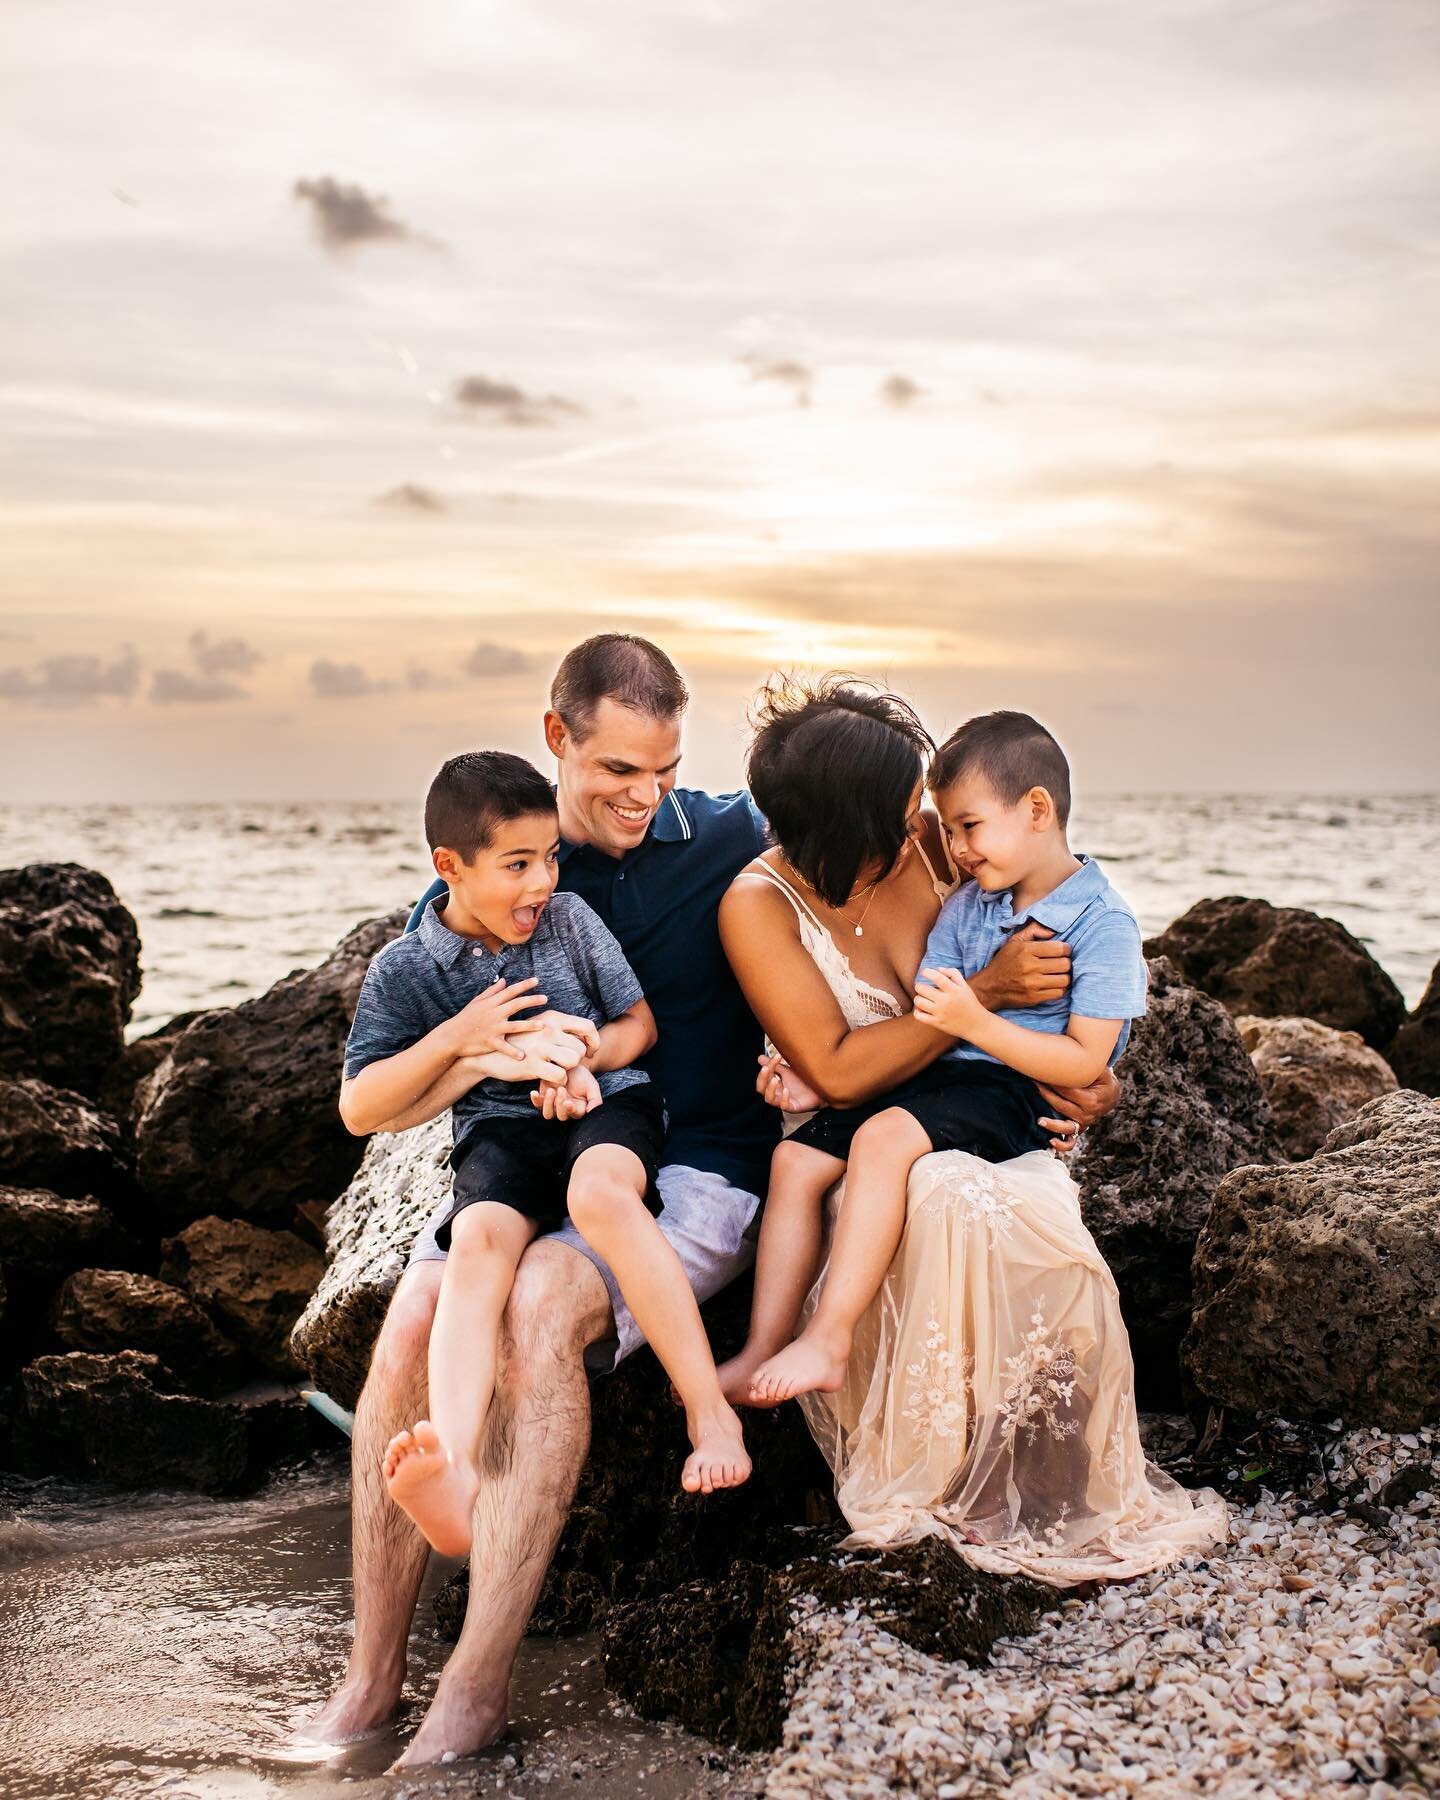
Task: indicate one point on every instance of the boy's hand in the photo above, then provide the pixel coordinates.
(946, 1003)
(778, 1085)
(1030, 966)
(570, 1023)
(578, 1094)
(485, 1026)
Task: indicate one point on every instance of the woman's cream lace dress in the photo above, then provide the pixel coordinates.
(991, 1388)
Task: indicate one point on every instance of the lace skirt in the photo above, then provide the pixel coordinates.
(991, 1390)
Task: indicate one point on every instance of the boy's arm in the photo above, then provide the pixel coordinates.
(619, 1044)
(1075, 1058)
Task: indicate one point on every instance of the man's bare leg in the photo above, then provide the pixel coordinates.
(388, 1554)
(535, 1448)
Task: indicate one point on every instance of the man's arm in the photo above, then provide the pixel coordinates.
(546, 1057)
(619, 1043)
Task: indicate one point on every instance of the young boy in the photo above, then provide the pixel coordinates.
(437, 1006)
(1001, 785)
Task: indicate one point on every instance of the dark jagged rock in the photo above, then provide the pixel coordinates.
(255, 1282)
(122, 1088)
(1314, 1077)
(109, 1309)
(54, 1138)
(1281, 962)
(241, 1116)
(1194, 1110)
(1317, 1284)
(42, 1239)
(1415, 1053)
(69, 974)
(714, 1655)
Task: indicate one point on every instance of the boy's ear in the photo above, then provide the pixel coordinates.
(1042, 808)
(446, 863)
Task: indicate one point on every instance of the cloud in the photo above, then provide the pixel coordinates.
(344, 215)
(72, 680)
(512, 405)
(421, 680)
(343, 681)
(489, 660)
(411, 497)
(900, 391)
(176, 687)
(793, 375)
(223, 656)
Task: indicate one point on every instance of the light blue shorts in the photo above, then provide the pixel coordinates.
(712, 1226)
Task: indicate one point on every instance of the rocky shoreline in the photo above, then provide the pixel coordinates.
(185, 1227)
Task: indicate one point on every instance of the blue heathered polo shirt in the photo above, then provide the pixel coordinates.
(660, 900)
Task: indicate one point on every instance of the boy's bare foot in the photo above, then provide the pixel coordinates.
(358, 1708)
(438, 1495)
(815, 1362)
(462, 1720)
(719, 1458)
(737, 1374)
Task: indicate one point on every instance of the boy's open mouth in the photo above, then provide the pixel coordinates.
(526, 917)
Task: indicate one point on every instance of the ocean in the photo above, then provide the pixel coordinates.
(229, 898)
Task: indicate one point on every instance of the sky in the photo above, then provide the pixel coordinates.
(358, 361)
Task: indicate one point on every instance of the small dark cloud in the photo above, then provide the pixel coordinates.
(124, 198)
(223, 656)
(177, 687)
(511, 405)
(343, 681)
(344, 215)
(900, 391)
(793, 375)
(486, 661)
(421, 680)
(411, 497)
(72, 680)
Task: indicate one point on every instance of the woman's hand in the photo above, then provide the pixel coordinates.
(488, 1023)
(778, 1085)
(1078, 1107)
(943, 1000)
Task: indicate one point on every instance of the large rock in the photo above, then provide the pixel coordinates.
(1314, 1077)
(110, 1309)
(1415, 1053)
(69, 974)
(1194, 1110)
(241, 1117)
(43, 1237)
(255, 1282)
(1281, 962)
(1317, 1285)
(54, 1138)
(368, 1233)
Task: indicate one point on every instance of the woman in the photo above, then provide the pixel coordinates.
(989, 1398)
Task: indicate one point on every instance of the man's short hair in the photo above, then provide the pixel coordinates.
(1012, 753)
(478, 791)
(631, 671)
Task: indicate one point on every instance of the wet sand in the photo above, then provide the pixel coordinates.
(168, 1646)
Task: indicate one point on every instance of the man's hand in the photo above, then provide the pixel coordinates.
(573, 1026)
(1030, 966)
(778, 1085)
(488, 1023)
(578, 1094)
(1078, 1107)
(945, 1001)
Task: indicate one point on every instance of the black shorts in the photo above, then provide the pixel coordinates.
(525, 1163)
(982, 1107)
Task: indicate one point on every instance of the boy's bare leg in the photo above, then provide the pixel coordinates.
(432, 1471)
(867, 1233)
(534, 1449)
(388, 1554)
(785, 1261)
(607, 1206)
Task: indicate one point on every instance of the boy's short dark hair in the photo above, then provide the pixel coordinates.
(833, 765)
(475, 792)
(1013, 752)
(631, 671)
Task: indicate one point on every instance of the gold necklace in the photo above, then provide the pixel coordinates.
(860, 927)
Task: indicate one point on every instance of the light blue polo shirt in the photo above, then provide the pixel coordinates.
(1107, 968)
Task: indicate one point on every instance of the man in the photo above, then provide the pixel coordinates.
(653, 860)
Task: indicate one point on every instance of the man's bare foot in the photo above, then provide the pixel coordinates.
(461, 1721)
(736, 1375)
(358, 1708)
(719, 1458)
(814, 1362)
(438, 1494)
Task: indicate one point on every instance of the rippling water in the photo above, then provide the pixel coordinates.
(230, 898)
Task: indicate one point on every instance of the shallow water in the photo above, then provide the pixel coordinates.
(168, 1644)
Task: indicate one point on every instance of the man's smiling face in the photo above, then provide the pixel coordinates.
(611, 782)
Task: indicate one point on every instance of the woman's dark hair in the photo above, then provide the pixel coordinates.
(833, 766)
(631, 671)
(475, 792)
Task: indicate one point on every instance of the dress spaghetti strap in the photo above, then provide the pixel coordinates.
(942, 889)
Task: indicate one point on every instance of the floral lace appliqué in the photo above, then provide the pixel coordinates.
(977, 1194)
(937, 1393)
(1042, 1380)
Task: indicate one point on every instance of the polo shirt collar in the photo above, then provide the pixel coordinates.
(1058, 910)
(445, 945)
(672, 824)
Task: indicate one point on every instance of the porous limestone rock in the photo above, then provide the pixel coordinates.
(255, 1282)
(57, 1139)
(1414, 1054)
(1193, 1111)
(1282, 962)
(43, 1237)
(1317, 1284)
(240, 1118)
(1314, 1077)
(111, 1309)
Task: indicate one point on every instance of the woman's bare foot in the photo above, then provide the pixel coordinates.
(814, 1362)
(461, 1721)
(737, 1374)
(358, 1708)
(438, 1493)
(719, 1458)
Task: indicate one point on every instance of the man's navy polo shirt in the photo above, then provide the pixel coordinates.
(660, 900)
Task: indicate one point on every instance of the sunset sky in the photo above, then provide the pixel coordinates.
(357, 361)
